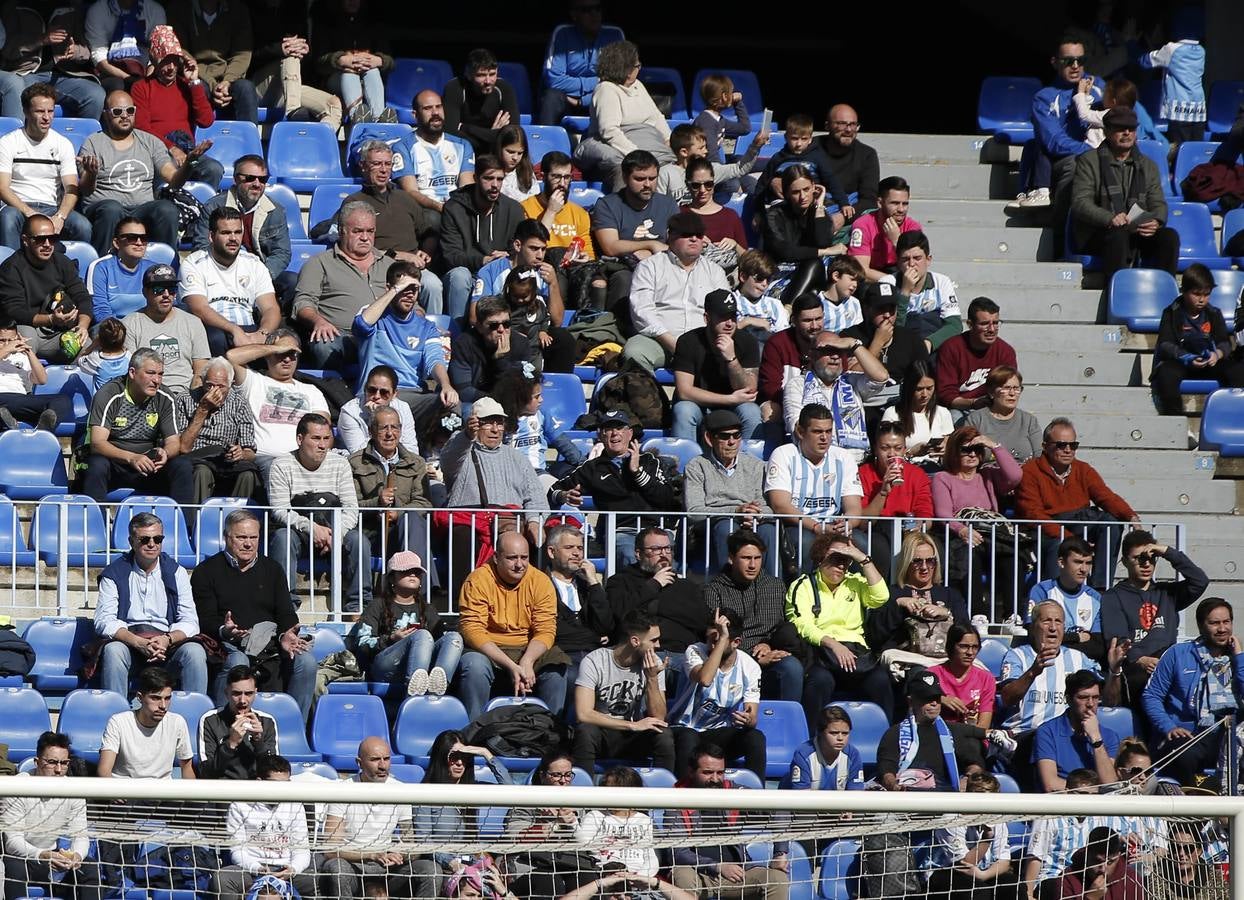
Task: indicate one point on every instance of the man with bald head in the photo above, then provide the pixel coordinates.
(120, 168)
(853, 163)
(429, 164)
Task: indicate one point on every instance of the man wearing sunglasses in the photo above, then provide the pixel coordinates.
(479, 355)
(176, 335)
(1057, 488)
(119, 170)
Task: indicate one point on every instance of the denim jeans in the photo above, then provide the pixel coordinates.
(76, 227)
(245, 105)
(783, 680)
(431, 293)
(287, 546)
(368, 87)
(80, 97)
(335, 354)
(688, 416)
(298, 673)
(398, 661)
(160, 217)
(188, 665)
(458, 284)
(477, 674)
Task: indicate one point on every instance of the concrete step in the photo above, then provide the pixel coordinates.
(984, 242)
(1026, 336)
(1101, 369)
(1128, 431)
(940, 213)
(1156, 495)
(1192, 464)
(1002, 278)
(955, 181)
(1024, 303)
(1079, 402)
(938, 148)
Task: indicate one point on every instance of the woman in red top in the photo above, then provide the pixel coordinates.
(893, 488)
(722, 227)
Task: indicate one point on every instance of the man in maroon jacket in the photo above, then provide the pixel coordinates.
(965, 360)
(789, 348)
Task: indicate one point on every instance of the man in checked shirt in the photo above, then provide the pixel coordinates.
(219, 435)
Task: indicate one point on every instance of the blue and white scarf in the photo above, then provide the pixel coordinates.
(850, 432)
(909, 745)
(1215, 695)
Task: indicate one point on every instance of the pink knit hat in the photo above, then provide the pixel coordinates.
(164, 43)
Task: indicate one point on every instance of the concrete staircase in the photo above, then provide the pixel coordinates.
(1095, 374)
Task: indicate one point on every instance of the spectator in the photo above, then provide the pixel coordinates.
(219, 36)
(630, 224)
(758, 598)
(791, 348)
(1145, 612)
(511, 148)
(120, 168)
(569, 71)
(620, 699)
(481, 353)
(1183, 89)
(265, 233)
(478, 104)
(853, 163)
(379, 391)
(1003, 420)
(624, 118)
(828, 384)
(49, 48)
(228, 287)
(173, 101)
(910, 629)
(176, 336)
(724, 700)
(894, 488)
(927, 301)
(108, 360)
(799, 232)
(20, 371)
(359, 853)
(965, 360)
(580, 589)
(115, 281)
(968, 688)
(874, 238)
(40, 290)
(218, 435)
(723, 229)
(827, 761)
(553, 348)
(1100, 866)
(134, 436)
(842, 309)
(526, 253)
(1076, 739)
(150, 741)
(565, 220)
(1193, 342)
(925, 423)
(622, 837)
(38, 173)
(923, 752)
(760, 314)
(972, 858)
(354, 58)
(508, 622)
(269, 842)
(1109, 183)
(719, 869)
(552, 874)
(829, 490)
(429, 164)
(235, 737)
(530, 429)
(1081, 603)
(303, 487)
(801, 150)
(46, 840)
(717, 93)
(715, 369)
(834, 626)
(1054, 840)
(1060, 134)
(400, 639)
(898, 347)
(689, 143)
(237, 591)
(1058, 487)
(1187, 873)
(334, 285)
(280, 64)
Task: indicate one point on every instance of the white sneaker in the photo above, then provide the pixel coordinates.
(418, 684)
(1039, 197)
(438, 682)
(981, 624)
(1003, 741)
(1014, 625)
(1018, 201)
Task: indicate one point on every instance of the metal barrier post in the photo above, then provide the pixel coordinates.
(334, 563)
(62, 557)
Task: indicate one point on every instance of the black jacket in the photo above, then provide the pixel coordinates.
(581, 631)
(218, 759)
(26, 289)
(905, 348)
(652, 487)
(474, 369)
(857, 170)
(467, 235)
(470, 114)
(17, 657)
(678, 608)
(1171, 340)
(257, 595)
(885, 628)
(1126, 610)
(793, 237)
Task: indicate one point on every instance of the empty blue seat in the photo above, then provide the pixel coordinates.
(801, 883)
(682, 449)
(407, 773)
(77, 130)
(655, 776)
(83, 717)
(287, 200)
(839, 865)
(421, 719)
(1006, 784)
(1156, 151)
(86, 534)
(1222, 423)
(992, 653)
(543, 138)
(563, 399)
(340, 722)
(868, 724)
(159, 252)
(1004, 108)
(1138, 296)
(300, 252)
(1196, 233)
(58, 644)
(176, 534)
(745, 778)
(409, 77)
(31, 465)
(230, 140)
(745, 82)
(191, 706)
(326, 199)
(1190, 155)
(585, 196)
(200, 190)
(1225, 99)
(9, 123)
(516, 75)
(1119, 719)
(303, 155)
(291, 732)
(785, 726)
(660, 79)
(82, 254)
(25, 717)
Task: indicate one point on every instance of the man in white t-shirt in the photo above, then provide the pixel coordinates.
(359, 842)
(149, 741)
(173, 333)
(276, 399)
(228, 287)
(39, 173)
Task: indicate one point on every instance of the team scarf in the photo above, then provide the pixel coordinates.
(850, 432)
(1216, 694)
(909, 745)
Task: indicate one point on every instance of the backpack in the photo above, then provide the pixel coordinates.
(159, 866)
(635, 388)
(17, 657)
(524, 730)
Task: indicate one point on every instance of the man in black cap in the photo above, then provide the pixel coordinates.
(895, 346)
(1118, 208)
(176, 335)
(715, 367)
(668, 291)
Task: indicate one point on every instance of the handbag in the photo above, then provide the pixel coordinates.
(927, 638)
(488, 526)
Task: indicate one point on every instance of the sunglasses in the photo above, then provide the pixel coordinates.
(1072, 60)
(132, 237)
(728, 435)
(498, 326)
(1130, 772)
(839, 559)
(150, 539)
(700, 185)
(972, 451)
(289, 354)
(924, 562)
(1065, 445)
(44, 238)
(117, 111)
(1144, 559)
(262, 179)
(374, 389)
(165, 288)
(826, 351)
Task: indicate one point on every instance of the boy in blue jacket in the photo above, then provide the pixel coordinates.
(827, 762)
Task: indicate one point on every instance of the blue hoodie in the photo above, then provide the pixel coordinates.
(412, 346)
(1058, 126)
(570, 63)
(1170, 697)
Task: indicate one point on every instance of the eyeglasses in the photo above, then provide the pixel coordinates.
(849, 126)
(1072, 61)
(700, 185)
(1144, 559)
(132, 237)
(1185, 847)
(262, 179)
(44, 761)
(1130, 772)
(660, 548)
(1065, 445)
(964, 648)
(553, 176)
(1011, 389)
(839, 559)
(118, 111)
(376, 389)
(44, 238)
(559, 776)
(728, 435)
(158, 289)
(924, 562)
(498, 326)
(150, 539)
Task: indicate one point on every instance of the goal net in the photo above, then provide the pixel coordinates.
(178, 840)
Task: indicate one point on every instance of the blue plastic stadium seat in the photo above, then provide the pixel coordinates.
(586, 197)
(82, 254)
(745, 82)
(14, 551)
(1198, 386)
(1232, 224)
(68, 380)
(408, 78)
(176, 533)
(300, 252)
(785, 727)
(191, 706)
(200, 190)
(325, 642)
(291, 733)
(322, 769)
(31, 466)
(655, 776)
(159, 252)
(58, 644)
(683, 449)
(801, 884)
(1228, 287)
(992, 653)
(1190, 155)
(1138, 296)
(5, 253)
(9, 123)
(1006, 783)
(286, 199)
(1004, 108)
(868, 724)
(421, 719)
(340, 722)
(303, 155)
(563, 399)
(543, 138)
(1225, 98)
(83, 717)
(326, 199)
(576, 124)
(1196, 234)
(77, 130)
(509, 700)
(209, 523)
(839, 863)
(745, 778)
(1119, 719)
(516, 75)
(389, 132)
(661, 79)
(25, 717)
(408, 773)
(87, 533)
(1157, 152)
(1222, 422)
(230, 140)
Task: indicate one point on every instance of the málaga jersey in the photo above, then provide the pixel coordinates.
(1081, 609)
(1046, 698)
(816, 489)
(436, 167)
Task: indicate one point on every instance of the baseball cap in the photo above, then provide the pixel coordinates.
(878, 295)
(923, 685)
(406, 561)
(721, 303)
(1119, 117)
(159, 274)
(685, 224)
(616, 418)
(487, 408)
(722, 420)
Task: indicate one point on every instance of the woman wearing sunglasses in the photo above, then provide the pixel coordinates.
(550, 874)
(450, 761)
(723, 229)
(911, 628)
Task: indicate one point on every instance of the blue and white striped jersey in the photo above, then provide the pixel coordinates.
(1081, 609)
(1046, 698)
(816, 489)
(436, 167)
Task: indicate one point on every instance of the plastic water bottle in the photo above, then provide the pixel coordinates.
(910, 523)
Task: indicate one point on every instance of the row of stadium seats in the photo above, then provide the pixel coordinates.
(1197, 243)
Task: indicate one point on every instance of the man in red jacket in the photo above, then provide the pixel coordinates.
(787, 349)
(1058, 487)
(965, 360)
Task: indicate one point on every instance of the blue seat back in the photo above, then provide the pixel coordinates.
(83, 717)
(300, 252)
(68, 380)
(58, 644)
(1222, 423)
(507, 700)
(201, 190)
(191, 706)
(839, 865)
(1004, 108)
(662, 79)
(209, 531)
(1006, 784)
(86, 531)
(543, 138)
(287, 200)
(341, 721)
(1138, 296)
(407, 773)
(868, 724)
(9, 123)
(82, 254)
(322, 769)
(1225, 99)
(326, 641)
(516, 75)
(390, 132)
(326, 199)
(77, 130)
(230, 140)
(1118, 719)
(12, 539)
(176, 534)
(1190, 155)
(563, 399)
(410, 76)
(291, 733)
(655, 776)
(586, 197)
(421, 719)
(785, 727)
(1156, 151)
(31, 465)
(745, 82)
(159, 252)
(1196, 231)
(991, 655)
(300, 153)
(25, 717)
(1228, 285)
(682, 449)
(745, 778)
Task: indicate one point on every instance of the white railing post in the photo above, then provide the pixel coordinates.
(62, 557)
(334, 565)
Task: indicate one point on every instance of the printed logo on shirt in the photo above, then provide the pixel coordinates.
(129, 175)
(645, 230)
(413, 342)
(1148, 615)
(857, 237)
(167, 346)
(974, 381)
(120, 421)
(152, 419)
(282, 407)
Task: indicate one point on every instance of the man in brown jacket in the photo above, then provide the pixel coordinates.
(222, 48)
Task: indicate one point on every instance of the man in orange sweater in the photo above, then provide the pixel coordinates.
(508, 621)
(1056, 486)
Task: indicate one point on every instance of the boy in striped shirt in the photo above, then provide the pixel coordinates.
(760, 314)
(1054, 840)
